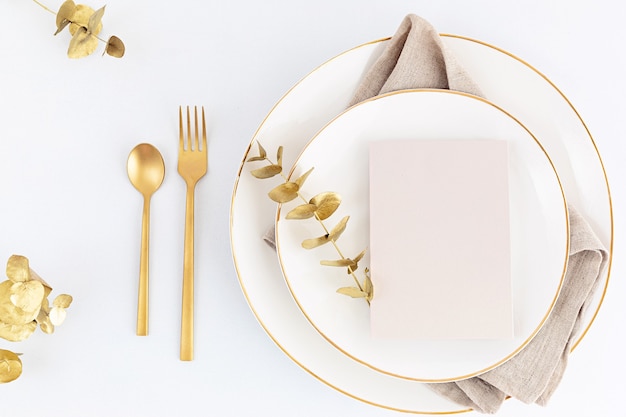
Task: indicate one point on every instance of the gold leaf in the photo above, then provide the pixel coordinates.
(368, 288)
(285, 192)
(115, 47)
(353, 292)
(327, 203)
(360, 256)
(17, 332)
(61, 26)
(83, 43)
(9, 312)
(255, 158)
(64, 15)
(304, 211)
(18, 269)
(262, 152)
(339, 229)
(10, 366)
(57, 315)
(339, 262)
(95, 21)
(27, 295)
(356, 260)
(267, 171)
(80, 18)
(45, 324)
(314, 243)
(303, 177)
(63, 301)
(279, 156)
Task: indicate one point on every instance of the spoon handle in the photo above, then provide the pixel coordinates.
(186, 335)
(142, 303)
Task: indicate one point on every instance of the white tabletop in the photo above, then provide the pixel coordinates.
(67, 126)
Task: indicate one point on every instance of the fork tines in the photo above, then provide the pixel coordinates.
(191, 143)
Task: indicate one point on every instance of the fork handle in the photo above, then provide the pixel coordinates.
(186, 335)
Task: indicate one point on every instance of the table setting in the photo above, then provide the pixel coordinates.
(242, 208)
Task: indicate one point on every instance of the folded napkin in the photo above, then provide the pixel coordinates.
(535, 372)
(415, 57)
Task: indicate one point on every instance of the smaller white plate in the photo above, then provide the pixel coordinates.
(339, 154)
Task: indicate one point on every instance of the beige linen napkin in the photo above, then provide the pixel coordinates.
(535, 372)
(415, 57)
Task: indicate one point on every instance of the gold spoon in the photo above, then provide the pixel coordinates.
(146, 171)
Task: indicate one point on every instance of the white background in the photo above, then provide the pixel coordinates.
(66, 127)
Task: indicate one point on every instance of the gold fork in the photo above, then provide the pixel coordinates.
(192, 165)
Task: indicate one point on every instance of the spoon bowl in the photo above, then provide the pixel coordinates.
(146, 171)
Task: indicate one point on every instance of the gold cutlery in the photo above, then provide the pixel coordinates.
(192, 165)
(146, 170)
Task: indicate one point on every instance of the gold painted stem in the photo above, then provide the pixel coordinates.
(44, 7)
(142, 303)
(186, 335)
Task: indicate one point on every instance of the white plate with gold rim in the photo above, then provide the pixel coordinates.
(314, 101)
(340, 157)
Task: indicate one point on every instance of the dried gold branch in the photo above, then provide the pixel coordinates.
(320, 207)
(84, 24)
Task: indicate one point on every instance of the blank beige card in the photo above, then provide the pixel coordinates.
(440, 240)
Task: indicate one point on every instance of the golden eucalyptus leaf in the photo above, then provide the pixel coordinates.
(360, 255)
(368, 288)
(303, 177)
(9, 312)
(27, 296)
(315, 242)
(353, 292)
(262, 152)
(57, 315)
(339, 262)
(304, 211)
(64, 15)
(63, 301)
(61, 26)
(255, 158)
(18, 269)
(336, 232)
(285, 192)
(94, 25)
(83, 43)
(10, 366)
(17, 332)
(267, 171)
(80, 18)
(327, 203)
(355, 265)
(44, 322)
(279, 156)
(115, 47)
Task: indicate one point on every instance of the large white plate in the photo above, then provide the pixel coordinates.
(314, 101)
(339, 154)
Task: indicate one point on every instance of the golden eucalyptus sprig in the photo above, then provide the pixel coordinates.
(85, 24)
(24, 305)
(320, 207)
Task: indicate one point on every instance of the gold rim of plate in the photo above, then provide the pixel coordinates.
(303, 366)
(563, 269)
